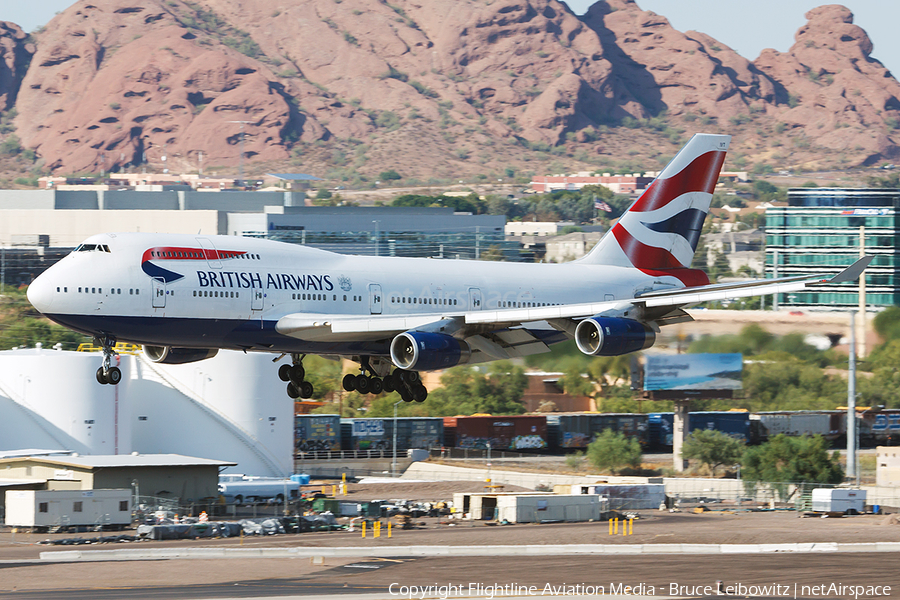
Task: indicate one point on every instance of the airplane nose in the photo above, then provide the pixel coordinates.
(40, 293)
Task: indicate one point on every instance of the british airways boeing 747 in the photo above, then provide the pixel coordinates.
(184, 297)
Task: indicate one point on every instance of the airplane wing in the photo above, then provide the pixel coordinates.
(506, 333)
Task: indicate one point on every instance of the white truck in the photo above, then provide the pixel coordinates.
(259, 490)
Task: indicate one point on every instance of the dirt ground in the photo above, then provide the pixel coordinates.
(24, 575)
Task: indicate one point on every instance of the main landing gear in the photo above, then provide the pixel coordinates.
(294, 373)
(107, 373)
(405, 383)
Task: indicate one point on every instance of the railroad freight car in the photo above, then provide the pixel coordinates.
(378, 434)
(579, 430)
(735, 424)
(519, 432)
(829, 424)
(317, 433)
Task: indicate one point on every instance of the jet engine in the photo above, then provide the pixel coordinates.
(422, 351)
(177, 356)
(612, 336)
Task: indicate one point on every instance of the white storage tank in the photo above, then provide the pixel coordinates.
(49, 508)
(838, 500)
(59, 393)
(231, 407)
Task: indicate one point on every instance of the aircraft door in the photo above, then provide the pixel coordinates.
(374, 299)
(257, 296)
(210, 253)
(159, 292)
(475, 299)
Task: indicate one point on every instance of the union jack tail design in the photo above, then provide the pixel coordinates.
(659, 233)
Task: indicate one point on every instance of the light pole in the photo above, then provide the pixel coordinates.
(394, 460)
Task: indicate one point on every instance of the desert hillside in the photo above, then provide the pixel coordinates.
(429, 88)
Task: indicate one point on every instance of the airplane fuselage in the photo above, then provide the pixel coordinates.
(229, 292)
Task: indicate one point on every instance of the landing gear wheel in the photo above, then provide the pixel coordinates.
(362, 384)
(101, 376)
(292, 390)
(404, 394)
(284, 372)
(375, 386)
(114, 376)
(349, 383)
(419, 393)
(306, 390)
(296, 373)
(410, 377)
(387, 384)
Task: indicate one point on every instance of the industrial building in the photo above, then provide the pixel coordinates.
(818, 232)
(38, 227)
(230, 408)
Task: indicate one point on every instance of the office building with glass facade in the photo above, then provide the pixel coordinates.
(818, 232)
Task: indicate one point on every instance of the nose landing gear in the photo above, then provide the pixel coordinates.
(294, 374)
(108, 374)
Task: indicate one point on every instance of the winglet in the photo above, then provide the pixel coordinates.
(852, 272)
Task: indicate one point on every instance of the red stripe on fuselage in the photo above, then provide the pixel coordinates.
(181, 253)
(701, 175)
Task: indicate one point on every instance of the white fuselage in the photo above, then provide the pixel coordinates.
(228, 292)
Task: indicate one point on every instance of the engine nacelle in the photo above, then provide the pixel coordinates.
(177, 356)
(422, 351)
(612, 336)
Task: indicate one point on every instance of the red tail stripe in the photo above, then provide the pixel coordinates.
(700, 175)
(643, 256)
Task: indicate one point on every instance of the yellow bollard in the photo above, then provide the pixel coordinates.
(616, 527)
(630, 526)
(364, 529)
(389, 529)
(377, 530)
(610, 526)
(325, 489)
(624, 527)
(334, 490)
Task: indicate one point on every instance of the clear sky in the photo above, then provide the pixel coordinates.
(746, 26)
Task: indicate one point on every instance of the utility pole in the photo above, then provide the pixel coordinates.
(862, 296)
(851, 401)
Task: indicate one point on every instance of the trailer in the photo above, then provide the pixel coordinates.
(259, 490)
(519, 432)
(850, 502)
(43, 509)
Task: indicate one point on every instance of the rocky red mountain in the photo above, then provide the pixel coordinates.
(431, 88)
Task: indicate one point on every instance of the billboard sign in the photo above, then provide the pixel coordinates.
(693, 371)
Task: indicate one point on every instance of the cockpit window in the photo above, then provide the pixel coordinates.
(92, 248)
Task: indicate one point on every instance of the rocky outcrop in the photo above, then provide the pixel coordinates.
(839, 96)
(15, 54)
(426, 86)
(116, 82)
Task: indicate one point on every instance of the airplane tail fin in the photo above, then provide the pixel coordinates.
(659, 233)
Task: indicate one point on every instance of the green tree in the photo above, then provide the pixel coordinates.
(467, 390)
(612, 451)
(786, 459)
(390, 175)
(712, 448)
(887, 323)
